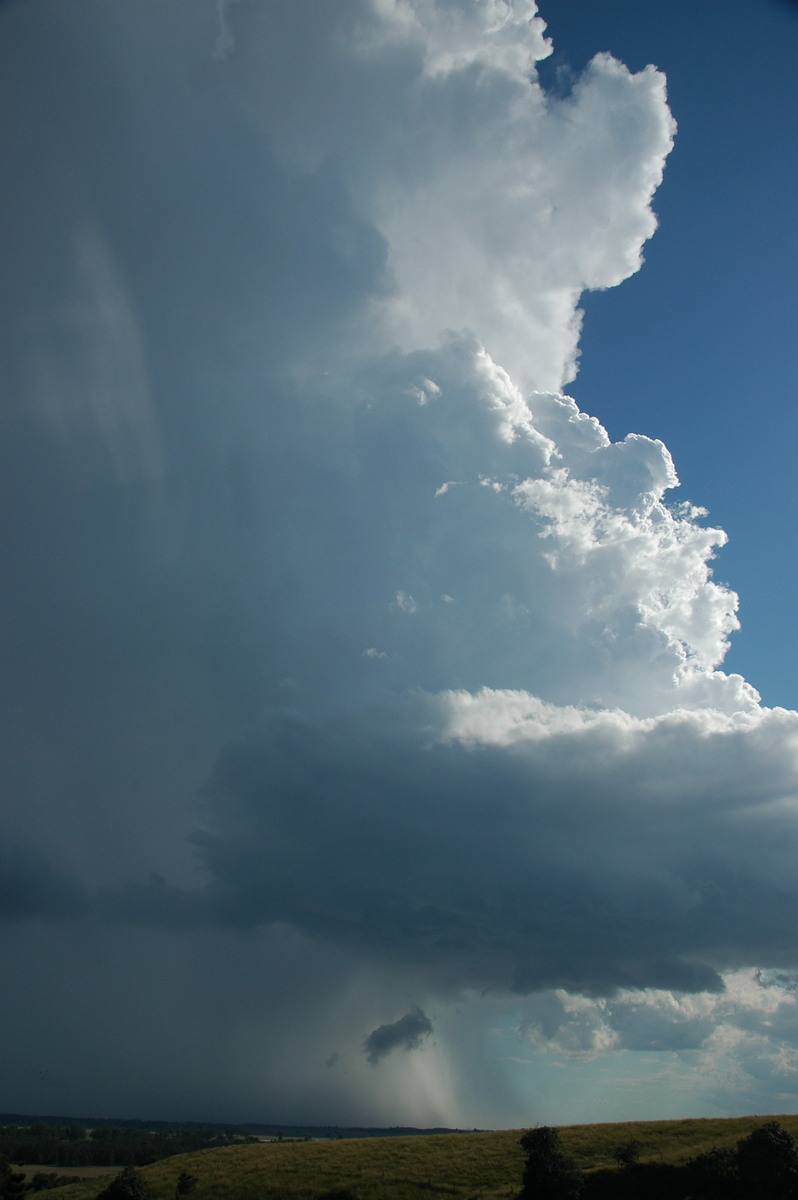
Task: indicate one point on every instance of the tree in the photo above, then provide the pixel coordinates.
(628, 1153)
(12, 1183)
(129, 1184)
(767, 1164)
(548, 1173)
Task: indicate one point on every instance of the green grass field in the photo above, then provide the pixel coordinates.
(473, 1166)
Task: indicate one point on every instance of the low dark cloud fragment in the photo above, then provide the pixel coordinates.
(405, 1034)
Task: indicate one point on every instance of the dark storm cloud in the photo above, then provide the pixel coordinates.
(545, 864)
(405, 1034)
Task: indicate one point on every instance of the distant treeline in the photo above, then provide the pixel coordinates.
(106, 1145)
(99, 1124)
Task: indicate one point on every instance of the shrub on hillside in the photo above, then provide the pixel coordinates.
(44, 1181)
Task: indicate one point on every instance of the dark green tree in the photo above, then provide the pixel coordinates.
(12, 1183)
(767, 1164)
(129, 1184)
(548, 1173)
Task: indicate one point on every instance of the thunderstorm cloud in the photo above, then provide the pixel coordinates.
(350, 668)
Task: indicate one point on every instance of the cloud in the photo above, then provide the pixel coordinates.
(31, 887)
(507, 844)
(405, 1034)
(348, 660)
(444, 129)
(734, 1043)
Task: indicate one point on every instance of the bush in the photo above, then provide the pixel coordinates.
(45, 1180)
(713, 1176)
(186, 1182)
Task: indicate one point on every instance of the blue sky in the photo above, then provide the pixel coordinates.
(697, 349)
(373, 747)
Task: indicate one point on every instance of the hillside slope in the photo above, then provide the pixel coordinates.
(485, 1165)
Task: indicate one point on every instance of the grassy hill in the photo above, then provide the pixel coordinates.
(474, 1166)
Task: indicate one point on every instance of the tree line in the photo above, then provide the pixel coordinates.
(106, 1146)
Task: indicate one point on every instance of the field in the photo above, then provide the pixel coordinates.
(472, 1166)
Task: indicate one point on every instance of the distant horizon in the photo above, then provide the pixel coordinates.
(248, 1126)
(234, 1125)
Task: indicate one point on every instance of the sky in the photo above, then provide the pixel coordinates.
(384, 741)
